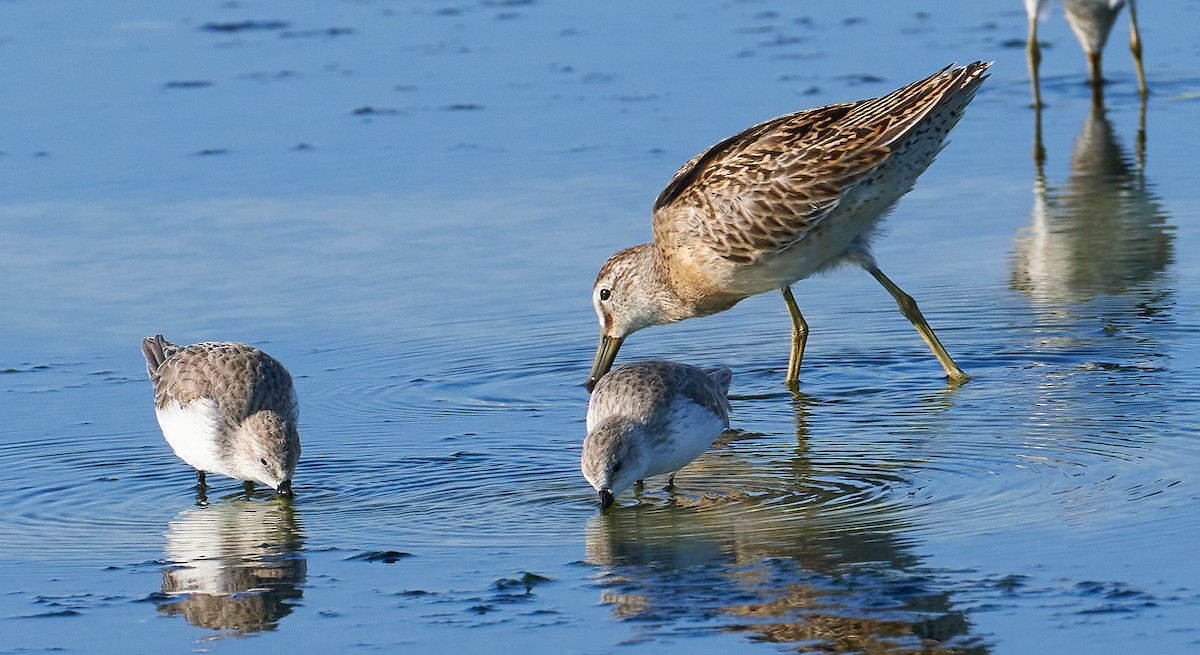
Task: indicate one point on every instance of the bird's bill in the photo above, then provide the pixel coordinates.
(606, 499)
(606, 353)
(285, 489)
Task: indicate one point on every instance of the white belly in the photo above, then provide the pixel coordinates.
(192, 431)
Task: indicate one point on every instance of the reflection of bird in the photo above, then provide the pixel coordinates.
(815, 589)
(1091, 21)
(1101, 231)
(651, 418)
(787, 198)
(227, 408)
(233, 565)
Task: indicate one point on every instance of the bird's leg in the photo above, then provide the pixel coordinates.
(248, 486)
(1135, 46)
(799, 338)
(1033, 53)
(639, 487)
(1094, 69)
(1039, 149)
(671, 482)
(1140, 145)
(909, 308)
(201, 489)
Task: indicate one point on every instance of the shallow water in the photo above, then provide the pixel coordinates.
(407, 203)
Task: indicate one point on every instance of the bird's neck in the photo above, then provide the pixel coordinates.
(694, 292)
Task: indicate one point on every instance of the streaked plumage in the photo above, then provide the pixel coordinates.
(226, 408)
(651, 418)
(781, 201)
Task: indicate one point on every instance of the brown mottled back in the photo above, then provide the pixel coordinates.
(762, 190)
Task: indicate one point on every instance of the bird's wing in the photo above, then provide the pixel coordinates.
(764, 189)
(706, 392)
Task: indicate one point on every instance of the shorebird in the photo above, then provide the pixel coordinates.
(651, 418)
(1091, 21)
(787, 198)
(226, 408)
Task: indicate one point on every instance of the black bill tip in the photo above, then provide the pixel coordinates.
(606, 499)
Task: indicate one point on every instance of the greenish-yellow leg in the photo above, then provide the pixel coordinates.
(909, 308)
(1033, 53)
(1135, 46)
(1034, 59)
(799, 337)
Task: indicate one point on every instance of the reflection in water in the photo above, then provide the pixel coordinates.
(234, 565)
(812, 575)
(1102, 231)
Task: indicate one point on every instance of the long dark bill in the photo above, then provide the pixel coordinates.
(606, 499)
(605, 354)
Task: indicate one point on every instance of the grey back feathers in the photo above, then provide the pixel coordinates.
(242, 379)
(640, 390)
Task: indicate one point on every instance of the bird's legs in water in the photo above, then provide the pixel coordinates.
(1033, 53)
(1135, 46)
(909, 308)
(799, 338)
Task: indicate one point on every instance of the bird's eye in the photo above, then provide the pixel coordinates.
(264, 461)
(605, 294)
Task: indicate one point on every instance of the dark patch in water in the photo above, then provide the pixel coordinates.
(50, 615)
(385, 556)
(865, 78)
(329, 31)
(188, 84)
(245, 26)
(368, 110)
(527, 581)
(1011, 583)
(156, 597)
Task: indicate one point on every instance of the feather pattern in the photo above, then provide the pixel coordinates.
(763, 190)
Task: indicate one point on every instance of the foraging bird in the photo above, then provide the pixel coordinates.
(794, 196)
(650, 418)
(226, 408)
(1091, 21)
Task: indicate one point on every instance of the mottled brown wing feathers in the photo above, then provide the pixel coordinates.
(762, 190)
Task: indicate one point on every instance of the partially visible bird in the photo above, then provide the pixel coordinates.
(226, 408)
(1091, 21)
(651, 418)
(794, 196)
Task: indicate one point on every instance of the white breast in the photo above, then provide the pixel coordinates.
(192, 431)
